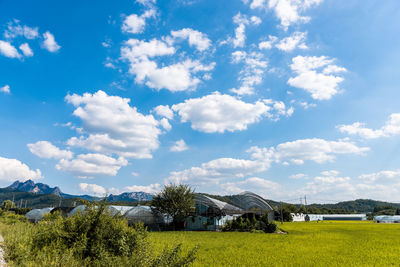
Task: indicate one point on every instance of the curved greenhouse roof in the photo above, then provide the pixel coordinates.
(81, 208)
(215, 206)
(250, 201)
(142, 214)
(36, 215)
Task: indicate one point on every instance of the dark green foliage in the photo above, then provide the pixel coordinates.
(250, 223)
(286, 210)
(94, 238)
(176, 201)
(7, 205)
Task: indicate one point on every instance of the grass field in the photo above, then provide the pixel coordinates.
(306, 244)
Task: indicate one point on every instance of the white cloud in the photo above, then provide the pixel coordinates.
(240, 32)
(219, 113)
(296, 40)
(257, 185)
(165, 124)
(151, 189)
(306, 105)
(195, 38)
(13, 169)
(93, 188)
(317, 150)
(50, 43)
(179, 146)
(382, 175)
(136, 24)
(8, 50)
(252, 73)
(87, 165)
(175, 77)
(114, 127)
(331, 187)
(255, 20)
(298, 176)
(164, 111)
(5, 89)
(26, 50)
(391, 128)
(287, 11)
(14, 29)
(268, 44)
(47, 150)
(322, 85)
(216, 170)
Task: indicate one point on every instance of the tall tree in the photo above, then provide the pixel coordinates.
(176, 201)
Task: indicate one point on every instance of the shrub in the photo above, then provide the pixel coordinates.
(254, 224)
(94, 238)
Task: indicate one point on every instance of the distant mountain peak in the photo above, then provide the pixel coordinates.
(37, 188)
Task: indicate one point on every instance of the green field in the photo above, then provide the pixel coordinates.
(306, 244)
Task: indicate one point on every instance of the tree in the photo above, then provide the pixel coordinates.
(7, 205)
(176, 201)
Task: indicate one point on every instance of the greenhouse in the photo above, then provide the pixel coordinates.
(387, 219)
(36, 215)
(251, 202)
(211, 214)
(81, 208)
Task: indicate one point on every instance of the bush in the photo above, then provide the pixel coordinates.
(94, 238)
(251, 223)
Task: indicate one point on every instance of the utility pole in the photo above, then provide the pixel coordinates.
(305, 203)
(281, 213)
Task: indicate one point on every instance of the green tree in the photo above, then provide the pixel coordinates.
(7, 205)
(176, 201)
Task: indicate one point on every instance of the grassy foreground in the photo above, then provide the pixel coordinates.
(307, 244)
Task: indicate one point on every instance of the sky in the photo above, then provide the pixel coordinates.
(284, 98)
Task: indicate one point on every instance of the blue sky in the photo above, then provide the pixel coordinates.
(285, 98)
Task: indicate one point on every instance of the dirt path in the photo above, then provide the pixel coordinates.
(2, 261)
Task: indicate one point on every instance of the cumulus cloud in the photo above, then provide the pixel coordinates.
(179, 146)
(50, 43)
(164, 111)
(88, 165)
(296, 40)
(316, 75)
(220, 112)
(5, 89)
(136, 24)
(15, 29)
(225, 170)
(315, 149)
(26, 50)
(382, 176)
(8, 50)
(332, 185)
(216, 170)
(13, 169)
(287, 11)
(268, 44)
(113, 126)
(165, 124)
(252, 73)
(391, 128)
(254, 184)
(241, 21)
(195, 38)
(47, 150)
(151, 189)
(93, 188)
(176, 77)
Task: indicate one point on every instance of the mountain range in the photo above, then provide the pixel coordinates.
(43, 189)
(38, 195)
